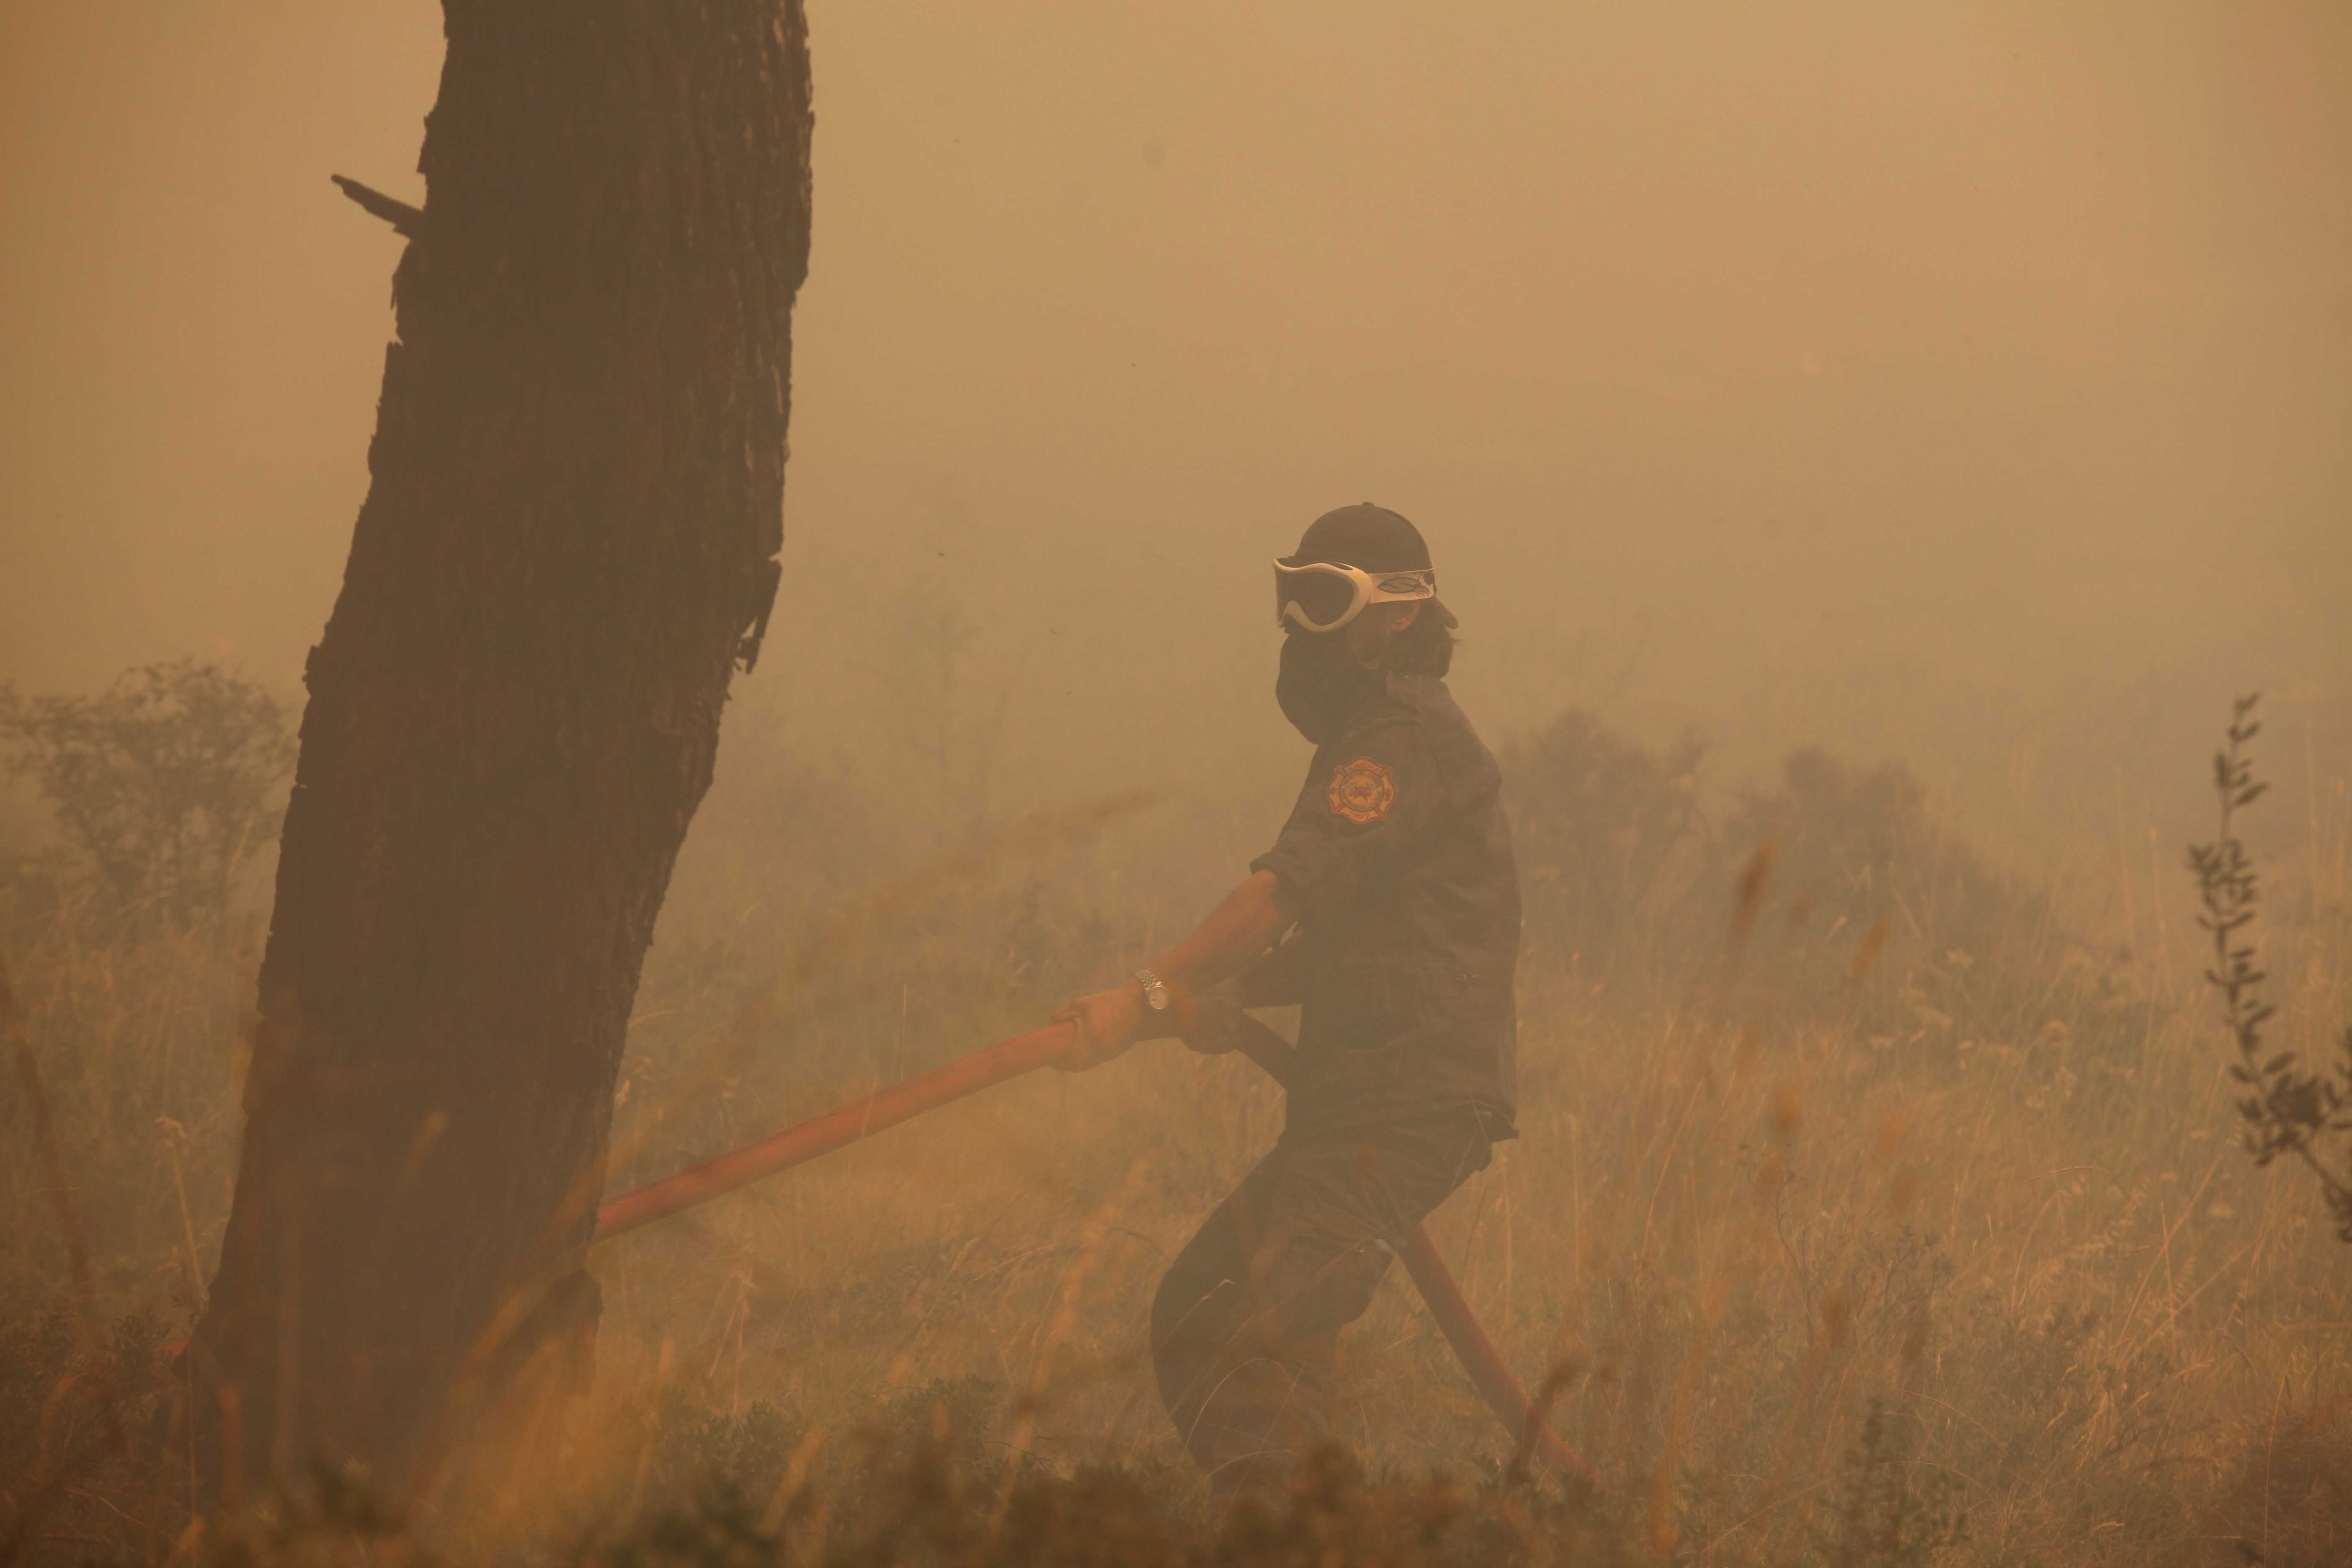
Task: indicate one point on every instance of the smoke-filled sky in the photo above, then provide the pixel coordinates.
(1967, 383)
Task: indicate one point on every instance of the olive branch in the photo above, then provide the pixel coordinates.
(2286, 1110)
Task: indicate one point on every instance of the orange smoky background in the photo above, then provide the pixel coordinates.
(1964, 382)
(1960, 387)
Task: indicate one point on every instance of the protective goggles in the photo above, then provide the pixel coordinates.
(1320, 596)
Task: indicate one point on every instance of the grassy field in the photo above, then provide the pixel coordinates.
(1894, 1215)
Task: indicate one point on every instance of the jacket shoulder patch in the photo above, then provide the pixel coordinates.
(1361, 791)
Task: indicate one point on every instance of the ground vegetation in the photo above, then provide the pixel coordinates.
(1873, 1205)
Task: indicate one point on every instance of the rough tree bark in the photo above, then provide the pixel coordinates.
(568, 541)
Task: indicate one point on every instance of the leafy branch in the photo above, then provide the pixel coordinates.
(2286, 1110)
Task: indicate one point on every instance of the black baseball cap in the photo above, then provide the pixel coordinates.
(1370, 538)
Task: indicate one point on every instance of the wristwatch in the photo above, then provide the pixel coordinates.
(1155, 991)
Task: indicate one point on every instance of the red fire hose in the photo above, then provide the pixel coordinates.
(824, 1134)
(1027, 1053)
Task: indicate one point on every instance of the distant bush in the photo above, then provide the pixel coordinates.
(164, 785)
(1618, 861)
(1608, 833)
(1868, 907)
(1849, 843)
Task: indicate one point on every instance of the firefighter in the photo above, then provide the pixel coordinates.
(1388, 910)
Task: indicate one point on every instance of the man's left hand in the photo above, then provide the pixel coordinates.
(1108, 1021)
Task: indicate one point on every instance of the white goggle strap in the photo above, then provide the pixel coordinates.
(1388, 588)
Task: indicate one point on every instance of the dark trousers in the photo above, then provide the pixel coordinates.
(1247, 1316)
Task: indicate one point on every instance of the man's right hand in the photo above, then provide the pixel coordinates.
(1244, 924)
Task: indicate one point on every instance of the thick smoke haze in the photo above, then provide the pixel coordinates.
(1966, 384)
(1868, 448)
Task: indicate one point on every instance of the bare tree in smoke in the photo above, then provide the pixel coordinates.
(569, 542)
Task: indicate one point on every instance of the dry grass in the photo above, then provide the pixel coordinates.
(1828, 1245)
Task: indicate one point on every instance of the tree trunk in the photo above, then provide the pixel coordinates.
(568, 541)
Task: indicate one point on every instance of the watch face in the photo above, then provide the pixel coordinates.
(1156, 997)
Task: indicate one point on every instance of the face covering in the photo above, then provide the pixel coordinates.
(1321, 687)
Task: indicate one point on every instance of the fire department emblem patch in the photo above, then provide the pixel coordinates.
(1361, 791)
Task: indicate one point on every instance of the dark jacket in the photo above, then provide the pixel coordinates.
(1399, 859)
